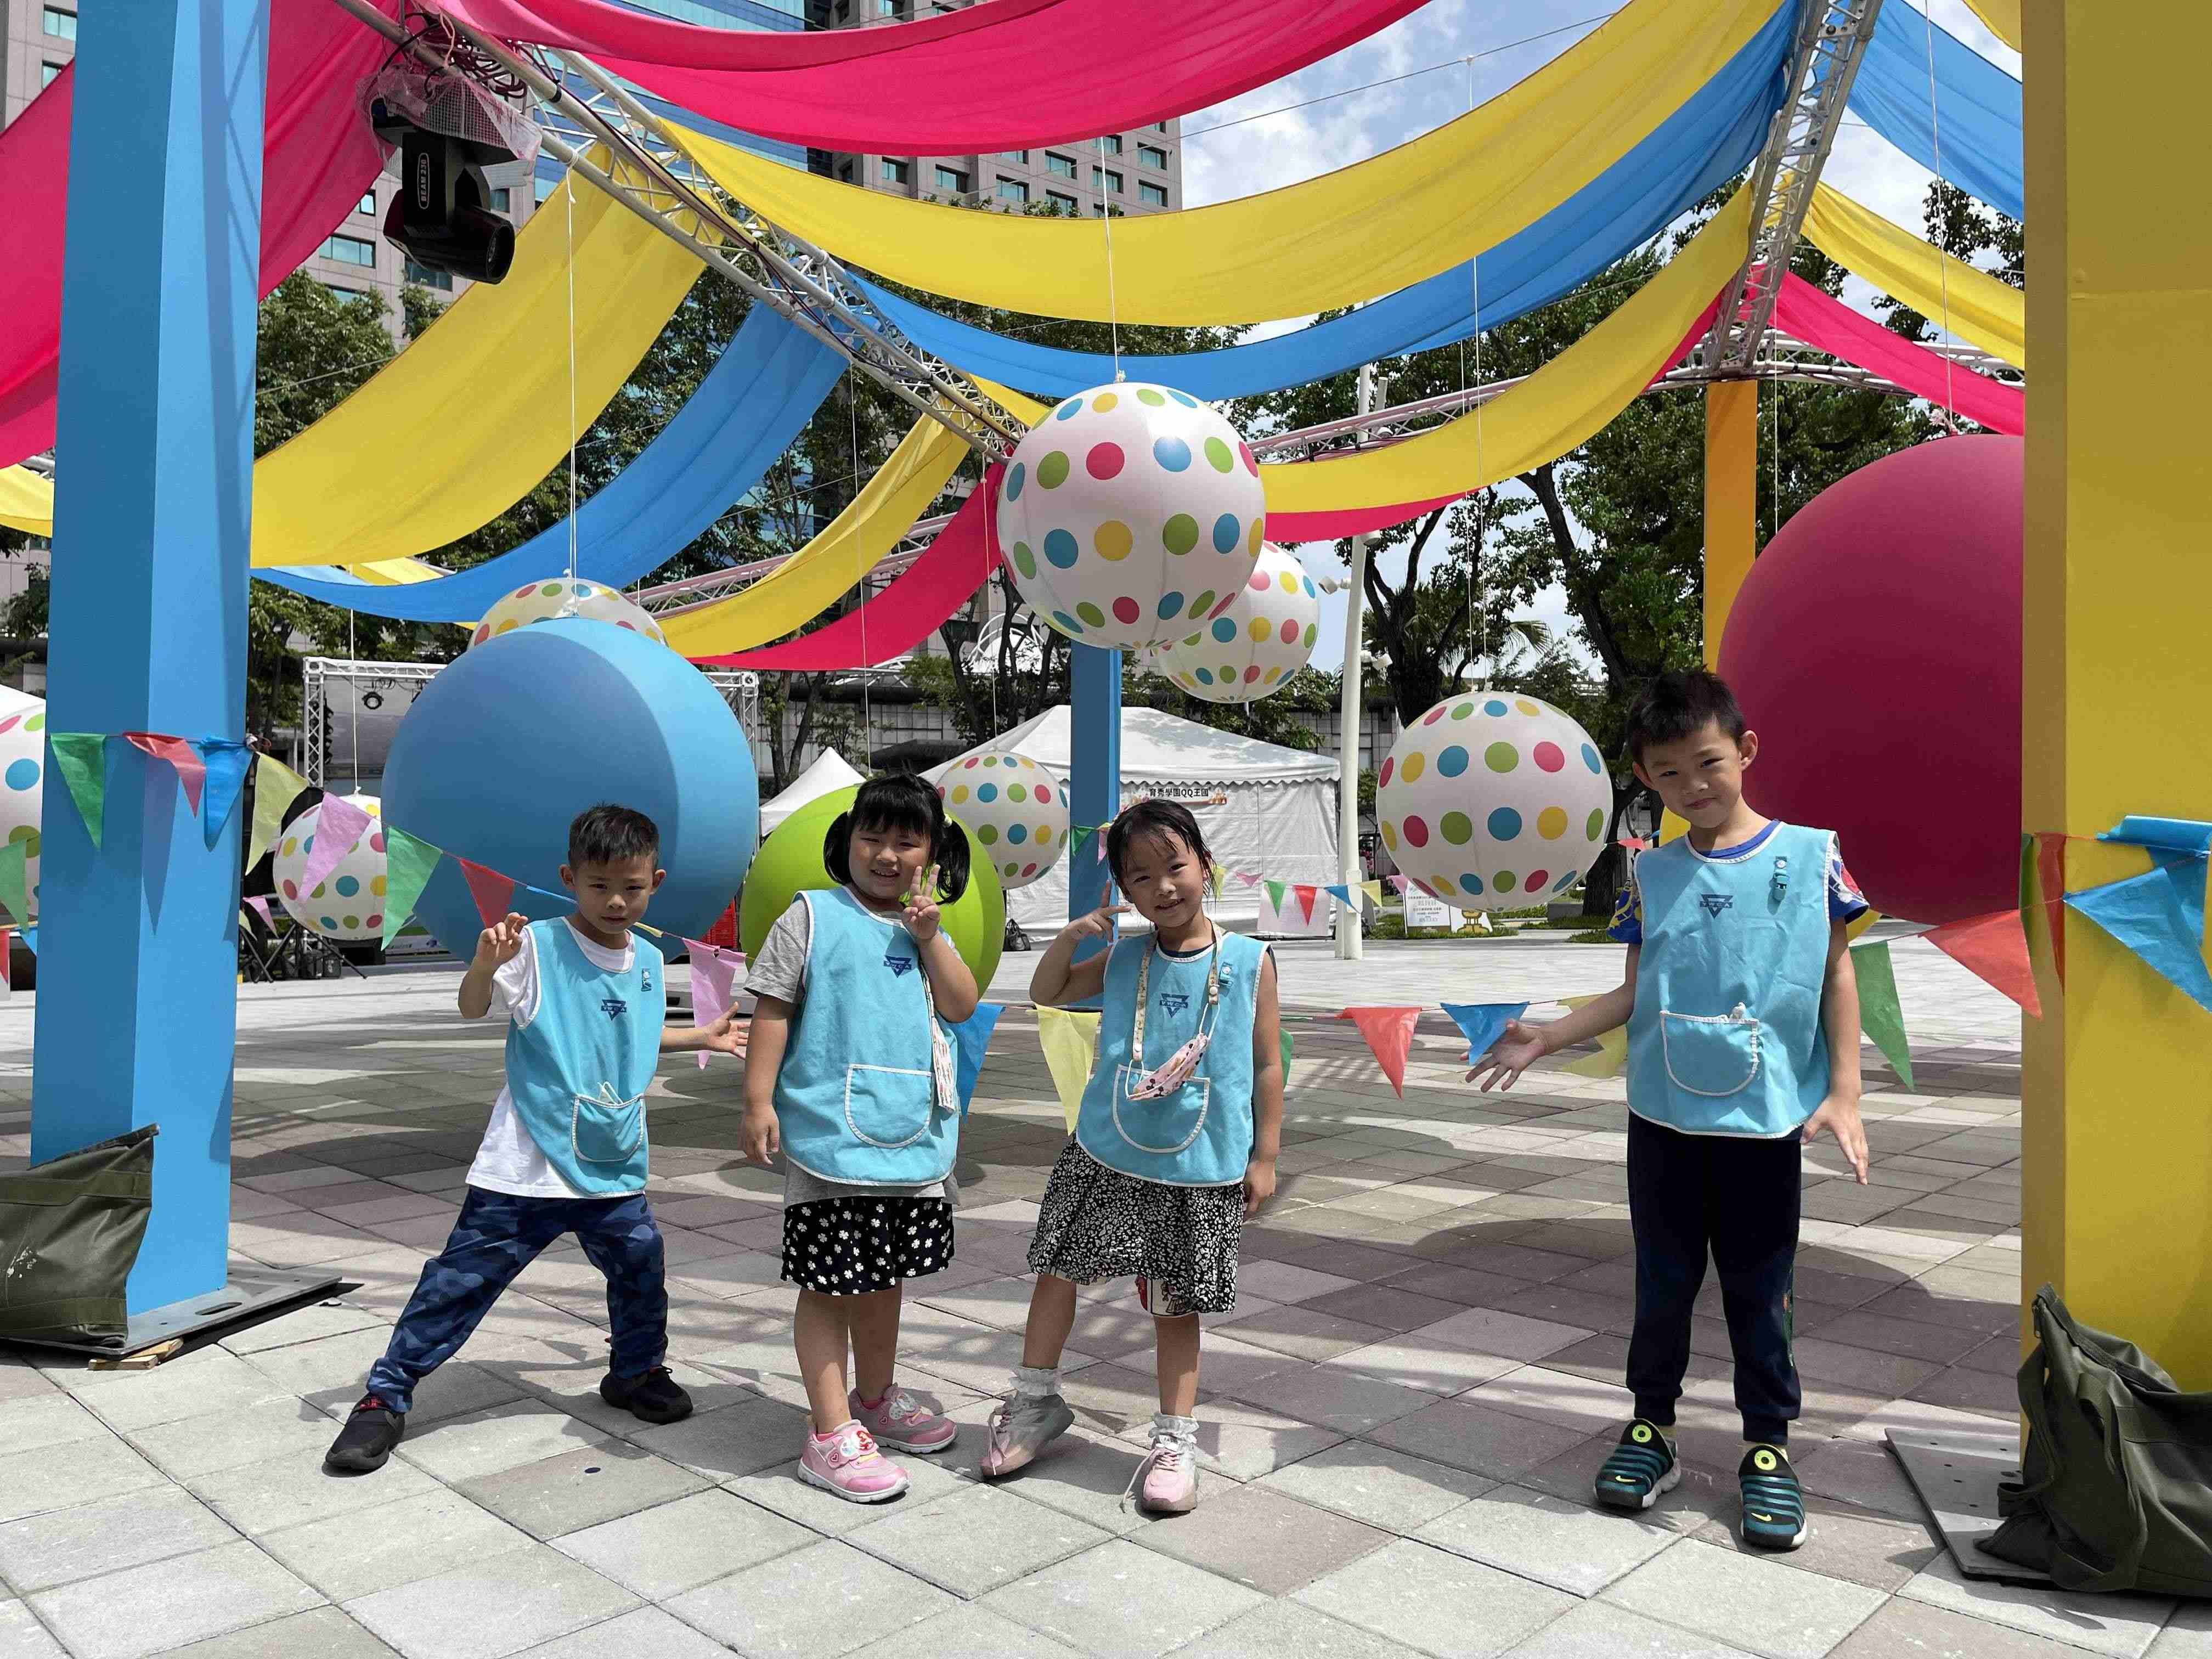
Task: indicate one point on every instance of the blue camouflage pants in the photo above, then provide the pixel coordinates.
(496, 1236)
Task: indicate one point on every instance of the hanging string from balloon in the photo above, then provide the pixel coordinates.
(1112, 306)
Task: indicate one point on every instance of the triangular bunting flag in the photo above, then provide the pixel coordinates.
(1275, 891)
(1993, 948)
(491, 890)
(1308, 896)
(81, 759)
(1398, 883)
(1390, 1034)
(182, 758)
(1340, 891)
(7, 974)
(1069, 1040)
(258, 903)
(1374, 891)
(1881, 1017)
(2160, 916)
(1482, 1022)
(409, 862)
(15, 880)
(1078, 837)
(714, 978)
(275, 787)
(338, 824)
(1247, 877)
(1611, 1055)
(972, 1037)
(1220, 875)
(1288, 1050)
(225, 761)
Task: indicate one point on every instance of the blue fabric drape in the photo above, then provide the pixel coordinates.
(1702, 145)
(748, 410)
(1975, 111)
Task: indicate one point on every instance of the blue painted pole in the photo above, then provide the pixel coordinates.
(1094, 784)
(138, 1005)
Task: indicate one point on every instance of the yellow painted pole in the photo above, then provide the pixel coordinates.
(2117, 1184)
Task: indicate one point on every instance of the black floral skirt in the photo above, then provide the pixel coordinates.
(850, 1246)
(1179, 1242)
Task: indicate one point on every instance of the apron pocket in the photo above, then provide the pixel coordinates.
(1153, 1125)
(606, 1131)
(886, 1106)
(1711, 1054)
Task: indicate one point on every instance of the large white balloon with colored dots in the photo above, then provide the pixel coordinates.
(560, 597)
(1015, 811)
(1252, 648)
(1130, 515)
(22, 783)
(348, 903)
(1492, 800)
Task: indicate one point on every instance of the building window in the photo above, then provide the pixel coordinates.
(1013, 189)
(1152, 195)
(1020, 155)
(1152, 157)
(896, 172)
(1060, 167)
(845, 171)
(349, 251)
(1106, 179)
(501, 199)
(368, 204)
(46, 73)
(430, 278)
(1061, 204)
(62, 24)
(1112, 143)
(1159, 126)
(953, 179)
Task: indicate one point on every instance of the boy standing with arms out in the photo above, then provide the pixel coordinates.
(1743, 1043)
(565, 1151)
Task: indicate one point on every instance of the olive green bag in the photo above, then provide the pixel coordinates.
(2115, 1489)
(70, 1232)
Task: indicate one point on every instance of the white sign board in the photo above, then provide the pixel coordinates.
(1422, 911)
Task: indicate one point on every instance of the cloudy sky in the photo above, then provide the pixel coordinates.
(1259, 142)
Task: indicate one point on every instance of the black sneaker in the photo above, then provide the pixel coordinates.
(367, 1438)
(1640, 1468)
(1773, 1502)
(654, 1397)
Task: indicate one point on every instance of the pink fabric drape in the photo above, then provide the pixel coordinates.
(1000, 76)
(1811, 315)
(319, 158)
(916, 604)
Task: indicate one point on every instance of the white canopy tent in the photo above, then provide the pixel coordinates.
(1261, 807)
(828, 773)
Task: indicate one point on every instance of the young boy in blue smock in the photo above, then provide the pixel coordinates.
(565, 1151)
(1743, 1043)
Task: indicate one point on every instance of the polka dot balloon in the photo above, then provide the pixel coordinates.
(541, 601)
(1130, 515)
(1251, 648)
(1015, 811)
(346, 904)
(22, 782)
(1493, 800)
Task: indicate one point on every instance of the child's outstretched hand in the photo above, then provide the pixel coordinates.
(1099, 924)
(922, 919)
(1259, 1185)
(1519, 1047)
(497, 945)
(1840, 1118)
(758, 1134)
(726, 1035)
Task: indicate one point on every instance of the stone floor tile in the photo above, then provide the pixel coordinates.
(1083, 1474)
(819, 1602)
(2120, 1625)
(1387, 1489)
(975, 1539)
(207, 1379)
(1488, 1330)
(308, 1324)
(1226, 1365)
(294, 1489)
(1563, 1398)
(1290, 1630)
(524, 1431)
(323, 1632)
(1932, 1632)
(192, 1446)
(487, 1609)
(1393, 1307)
(22, 1637)
(641, 1632)
(1909, 1338)
(2188, 1637)
(364, 1550)
(1262, 1539)
(1245, 1442)
(50, 1419)
(1885, 1373)
(738, 1439)
(1863, 1473)
(20, 1380)
(1440, 1603)
(1477, 1437)
(1119, 1601)
(580, 1489)
(74, 1471)
(1304, 1332)
(780, 1490)
(1417, 1361)
(1349, 1402)
(1569, 1545)
(965, 1632)
(1112, 1397)
(127, 1530)
(1878, 1551)
(169, 1603)
(1285, 1281)
(1469, 1287)
(1598, 1630)
(1757, 1604)
(676, 1547)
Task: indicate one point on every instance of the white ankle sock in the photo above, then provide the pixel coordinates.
(1037, 1382)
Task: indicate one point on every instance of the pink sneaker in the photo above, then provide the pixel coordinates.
(1169, 1475)
(900, 1419)
(847, 1463)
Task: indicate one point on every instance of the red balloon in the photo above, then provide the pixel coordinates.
(1875, 647)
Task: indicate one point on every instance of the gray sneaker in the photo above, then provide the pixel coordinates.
(1024, 1426)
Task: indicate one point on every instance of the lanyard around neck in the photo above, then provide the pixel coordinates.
(1185, 1059)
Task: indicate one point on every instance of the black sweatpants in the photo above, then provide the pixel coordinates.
(1738, 1198)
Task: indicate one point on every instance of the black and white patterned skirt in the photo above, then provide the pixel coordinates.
(1179, 1242)
(850, 1246)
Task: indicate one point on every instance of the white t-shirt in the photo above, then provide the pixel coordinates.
(508, 1160)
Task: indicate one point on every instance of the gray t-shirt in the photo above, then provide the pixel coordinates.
(779, 970)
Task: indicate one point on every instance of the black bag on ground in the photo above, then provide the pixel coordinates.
(70, 1232)
(2115, 1489)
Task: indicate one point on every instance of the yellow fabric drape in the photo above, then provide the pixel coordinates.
(1349, 236)
(1971, 304)
(399, 573)
(2001, 17)
(809, 582)
(27, 502)
(458, 426)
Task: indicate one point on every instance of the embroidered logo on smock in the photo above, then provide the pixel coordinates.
(645, 981)
(613, 1007)
(1174, 1001)
(1716, 903)
(898, 964)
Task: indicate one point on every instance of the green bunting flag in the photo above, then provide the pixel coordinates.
(1078, 837)
(1286, 1054)
(1275, 891)
(82, 758)
(15, 880)
(408, 864)
(1880, 1015)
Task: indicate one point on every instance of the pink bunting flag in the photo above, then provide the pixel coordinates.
(1993, 948)
(1306, 896)
(7, 974)
(190, 769)
(1398, 885)
(491, 890)
(338, 824)
(261, 903)
(714, 977)
(1390, 1034)
(1247, 877)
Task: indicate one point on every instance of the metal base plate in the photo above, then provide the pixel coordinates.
(1956, 1476)
(251, 1292)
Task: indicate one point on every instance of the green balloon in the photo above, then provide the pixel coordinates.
(790, 863)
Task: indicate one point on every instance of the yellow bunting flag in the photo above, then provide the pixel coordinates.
(1374, 891)
(275, 787)
(1611, 1055)
(1069, 1040)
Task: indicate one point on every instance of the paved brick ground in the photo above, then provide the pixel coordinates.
(1402, 1417)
